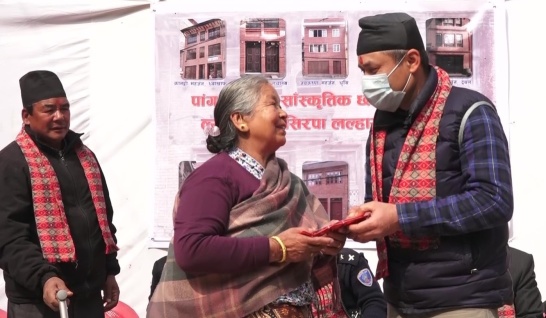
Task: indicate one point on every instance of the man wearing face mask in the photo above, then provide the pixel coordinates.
(438, 186)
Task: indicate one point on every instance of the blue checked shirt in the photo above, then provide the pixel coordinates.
(486, 200)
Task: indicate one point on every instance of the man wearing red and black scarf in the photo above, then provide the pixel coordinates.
(56, 230)
(438, 182)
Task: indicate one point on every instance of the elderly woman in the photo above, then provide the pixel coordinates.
(237, 249)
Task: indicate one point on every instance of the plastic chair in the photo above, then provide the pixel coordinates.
(122, 310)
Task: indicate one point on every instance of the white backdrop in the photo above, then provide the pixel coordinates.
(180, 116)
(104, 53)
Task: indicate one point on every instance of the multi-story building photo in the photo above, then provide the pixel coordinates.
(203, 55)
(449, 45)
(263, 47)
(329, 182)
(324, 47)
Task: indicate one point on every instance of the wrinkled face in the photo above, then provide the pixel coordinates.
(50, 120)
(267, 123)
(381, 63)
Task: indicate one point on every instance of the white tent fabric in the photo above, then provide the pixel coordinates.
(103, 52)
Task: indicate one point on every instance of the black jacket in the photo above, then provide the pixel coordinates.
(360, 292)
(157, 270)
(527, 299)
(21, 258)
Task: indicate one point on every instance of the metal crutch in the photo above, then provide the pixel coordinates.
(63, 306)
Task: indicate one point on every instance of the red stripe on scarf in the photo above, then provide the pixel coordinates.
(507, 311)
(415, 174)
(51, 224)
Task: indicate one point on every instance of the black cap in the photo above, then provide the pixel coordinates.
(389, 31)
(39, 85)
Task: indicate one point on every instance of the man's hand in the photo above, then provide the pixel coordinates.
(383, 221)
(51, 287)
(110, 293)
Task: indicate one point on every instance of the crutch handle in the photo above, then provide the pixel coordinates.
(63, 306)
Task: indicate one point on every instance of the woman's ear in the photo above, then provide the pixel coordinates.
(239, 122)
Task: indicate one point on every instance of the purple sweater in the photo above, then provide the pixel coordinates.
(206, 199)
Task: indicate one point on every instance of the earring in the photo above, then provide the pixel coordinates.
(243, 127)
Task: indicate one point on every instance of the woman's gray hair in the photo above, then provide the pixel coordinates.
(239, 96)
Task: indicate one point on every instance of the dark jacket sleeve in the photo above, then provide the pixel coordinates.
(363, 295)
(369, 299)
(20, 253)
(156, 274)
(112, 264)
(527, 299)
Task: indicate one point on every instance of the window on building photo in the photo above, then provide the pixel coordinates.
(215, 49)
(253, 24)
(449, 39)
(333, 177)
(214, 33)
(215, 70)
(190, 72)
(439, 39)
(191, 39)
(447, 22)
(272, 56)
(271, 23)
(318, 48)
(191, 55)
(322, 33)
(337, 67)
(318, 67)
(313, 179)
(459, 40)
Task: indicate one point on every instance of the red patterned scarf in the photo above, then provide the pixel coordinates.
(415, 174)
(326, 300)
(51, 223)
(507, 311)
(281, 202)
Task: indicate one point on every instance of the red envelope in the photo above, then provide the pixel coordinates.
(336, 226)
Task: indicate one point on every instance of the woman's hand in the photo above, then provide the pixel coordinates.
(339, 238)
(299, 247)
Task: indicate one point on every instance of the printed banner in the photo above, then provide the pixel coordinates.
(310, 58)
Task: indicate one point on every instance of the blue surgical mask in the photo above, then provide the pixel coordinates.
(377, 90)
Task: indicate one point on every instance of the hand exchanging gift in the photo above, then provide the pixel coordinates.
(337, 225)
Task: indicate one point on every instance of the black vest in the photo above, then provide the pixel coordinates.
(465, 270)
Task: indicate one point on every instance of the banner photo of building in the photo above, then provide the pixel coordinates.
(310, 58)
